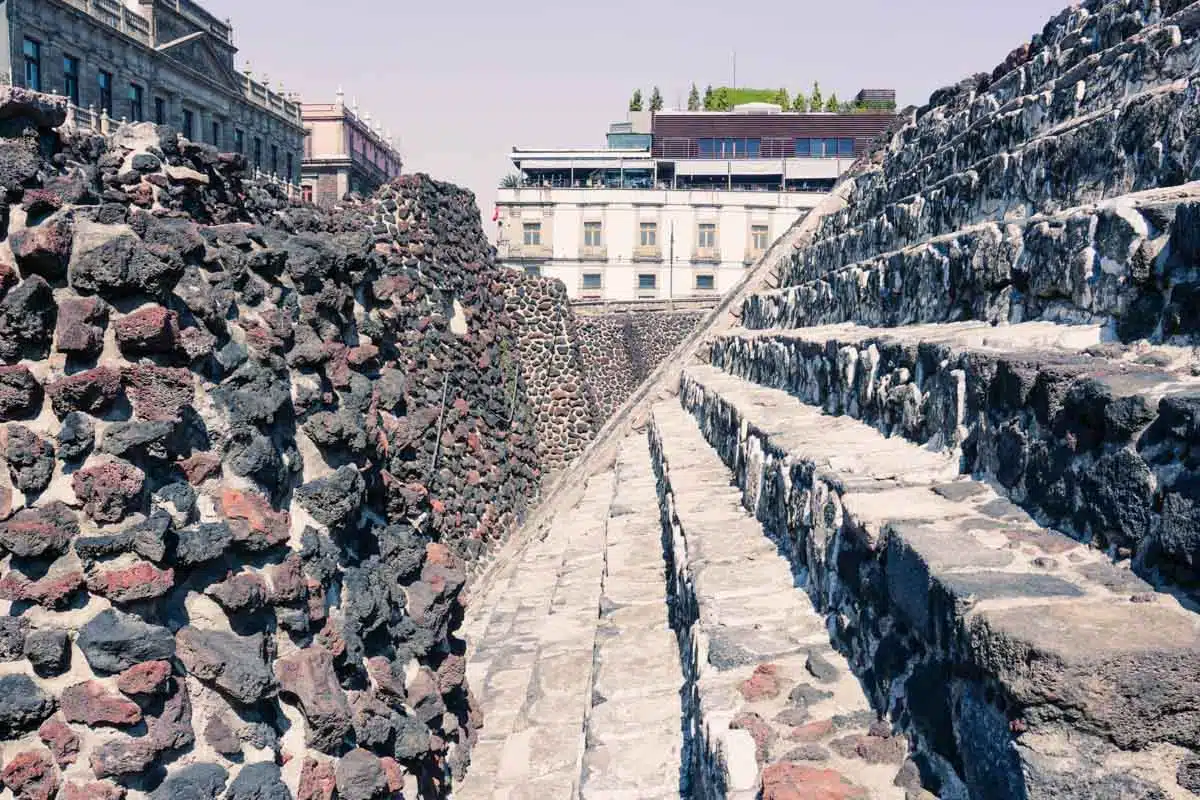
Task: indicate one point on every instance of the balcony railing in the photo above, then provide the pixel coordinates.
(681, 185)
(116, 15)
(766, 147)
(647, 253)
(262, 96)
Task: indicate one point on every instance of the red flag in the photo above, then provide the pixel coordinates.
(496, 214)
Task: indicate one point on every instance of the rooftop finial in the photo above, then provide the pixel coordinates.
(341, 96)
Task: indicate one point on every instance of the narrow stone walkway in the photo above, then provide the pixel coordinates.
(576, 665)
(777, 712)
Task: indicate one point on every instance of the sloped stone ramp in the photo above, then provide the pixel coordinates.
(577, 665)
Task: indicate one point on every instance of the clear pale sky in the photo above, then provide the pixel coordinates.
(463, 81)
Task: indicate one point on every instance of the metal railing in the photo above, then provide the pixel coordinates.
(768, 147)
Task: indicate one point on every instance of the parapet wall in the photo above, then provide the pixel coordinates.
(621, 344)
(250, 449)
(563, 406)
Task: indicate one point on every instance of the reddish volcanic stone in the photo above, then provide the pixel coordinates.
(789, 781)
(140, 581)
(80, 326)
(90, 703)
(812, 732)
(287, 580)
(394, 772)
(150, 330)
(256, 526)
(39, 531)
(762, 685)
(62, 741)
(451, 673)
(31, 775)
(149, 677)
(158, 393)
(96, 790)
(110, 490)
(123, 757)
(51, 591)
(44, 249)
(199, 467)
(317, 781)
(92, 391)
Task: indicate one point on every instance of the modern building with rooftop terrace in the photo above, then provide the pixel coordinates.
(678, 203)
(165, 61)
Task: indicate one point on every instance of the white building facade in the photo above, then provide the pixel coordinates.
(682, 216)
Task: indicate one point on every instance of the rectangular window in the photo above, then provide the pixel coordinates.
(71, 78)
(729, 148)
(136, 98)
(648, 233)
(104, 82)
(532, 232)
(274, 160)
(33, 64)
(288, 175)
(160, 111)
(189, 124)
(534, 270)
(239, 141)
(845, 147)
(831, 148)
(707, 238)
(706, 283)
(647, 280)
(216, 133)
(591, 234)
(592, 280)
(306, 193)
(758, 237)
(258, 152)
(804, 148)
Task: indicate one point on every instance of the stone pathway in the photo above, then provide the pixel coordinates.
(576, 666)
(774, 707)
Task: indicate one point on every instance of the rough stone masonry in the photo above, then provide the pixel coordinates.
(248, 452)
(959, 423)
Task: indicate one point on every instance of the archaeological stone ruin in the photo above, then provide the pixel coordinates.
(324, 504)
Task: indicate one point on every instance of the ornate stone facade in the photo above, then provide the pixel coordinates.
(163, 61)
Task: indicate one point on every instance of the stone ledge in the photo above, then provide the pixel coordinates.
(1123, 261)
(756, 654)
(944, 630)
(1094, 442)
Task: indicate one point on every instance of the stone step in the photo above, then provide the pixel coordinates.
(535, 659)
(1117, 78)
(634, 734)
(1119, 260)
(1015, 665)
(1110, 51)
(1092, 438)
(773, 711)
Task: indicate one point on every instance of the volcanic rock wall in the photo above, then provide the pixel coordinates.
(622, 346)
(248, 447)
(1048, 210)
(565, 413)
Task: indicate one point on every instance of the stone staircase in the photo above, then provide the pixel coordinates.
(928, 504)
